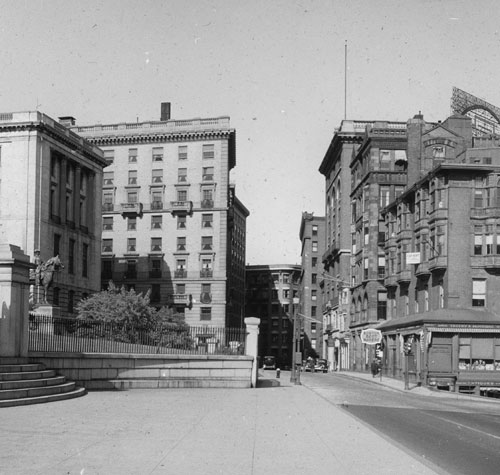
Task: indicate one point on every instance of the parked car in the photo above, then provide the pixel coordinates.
(269, 362)
(309, 365)
(321, 365)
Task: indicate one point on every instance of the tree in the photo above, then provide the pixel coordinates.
(127, 316)
(118, 305)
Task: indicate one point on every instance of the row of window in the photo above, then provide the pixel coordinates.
(156, 196)
(72, 254)
(157, 176)
(156, 222)
(156, 244)
(158, 153)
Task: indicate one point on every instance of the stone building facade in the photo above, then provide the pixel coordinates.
(170, 217)
(50, 178)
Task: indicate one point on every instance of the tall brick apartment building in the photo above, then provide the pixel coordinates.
(312, 237)
(172, 223)
(270, 290)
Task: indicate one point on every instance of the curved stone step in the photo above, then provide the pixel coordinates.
(47, 373)
(37, 391)
(32, 383)
(77, 392)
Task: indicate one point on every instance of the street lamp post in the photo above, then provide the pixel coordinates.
(295, 375)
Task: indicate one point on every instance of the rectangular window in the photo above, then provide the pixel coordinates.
(85, 260)
(314, 278)
(156, 222)
(132, 177)
(180, 289)
(381, 267)
(385, 159)
(157, 176)
(155, 293)
(71, 256)
(157, 154)
(155, 268)
(157, 200)
(489, 243)
(131, 224)
(208, 151)
(132, 155)
(478, 198)
(314, 294)
(205, 313)
(313, 312)
(131, 245)
(314, 262)
(315, 246)
(208, 173)
(384, 196)
(182, 152)
(132, 197)
(207, 220)
(109, 156)
(71, 301)
(181, 243)
(156, 244)
(131, 272)
(182, 175)
(478, 292)
(478, 244)
(107, 223)
(181, 222)
(108, 178)
(206, 243)
(286, 293)
(381, 305)
(181, 195)
(107, 245)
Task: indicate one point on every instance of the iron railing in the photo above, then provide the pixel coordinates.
(58, 334)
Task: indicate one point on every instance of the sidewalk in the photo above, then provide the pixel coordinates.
(284, 429)
(398, 385)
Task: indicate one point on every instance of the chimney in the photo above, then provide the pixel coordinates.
(67, 121)
(165, 111)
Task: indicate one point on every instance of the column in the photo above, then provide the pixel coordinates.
(251, 344)
(14, 297)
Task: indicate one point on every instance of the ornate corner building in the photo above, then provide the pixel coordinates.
(425, 243)
(171, 221)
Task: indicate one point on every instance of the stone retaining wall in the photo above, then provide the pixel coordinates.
(129, 371)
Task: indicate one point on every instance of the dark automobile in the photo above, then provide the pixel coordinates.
(321, 365)
(309, 365)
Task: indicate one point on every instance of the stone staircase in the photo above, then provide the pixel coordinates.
(23, 383)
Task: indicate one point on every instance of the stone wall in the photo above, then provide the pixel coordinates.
(132, 371)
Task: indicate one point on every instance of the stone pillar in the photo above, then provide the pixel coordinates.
(251, 344)
(14, 298)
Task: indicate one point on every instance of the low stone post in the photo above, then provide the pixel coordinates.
(251, 344)
(14, 301)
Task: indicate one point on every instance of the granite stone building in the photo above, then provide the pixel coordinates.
(50, 180)
(172, 223)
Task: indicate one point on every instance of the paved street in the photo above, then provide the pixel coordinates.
(458, 433)
(280, 430)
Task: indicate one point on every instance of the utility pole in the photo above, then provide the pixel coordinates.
(295, 374)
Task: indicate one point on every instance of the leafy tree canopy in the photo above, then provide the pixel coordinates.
(127, 306)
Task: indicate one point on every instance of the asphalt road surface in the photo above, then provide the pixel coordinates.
(458, 436)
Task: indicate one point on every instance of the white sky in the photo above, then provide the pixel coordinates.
(276, 67)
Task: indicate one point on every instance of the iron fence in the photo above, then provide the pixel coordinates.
(58, 334)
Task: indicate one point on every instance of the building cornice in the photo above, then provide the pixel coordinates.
(160, 138)
(40, 123)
